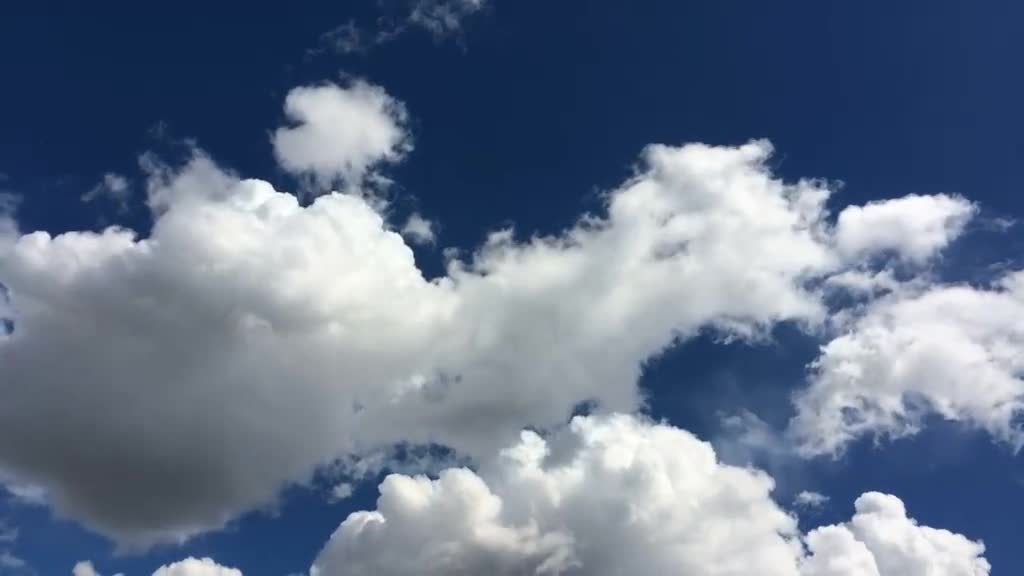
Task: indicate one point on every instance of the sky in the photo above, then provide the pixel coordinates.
(511, 287)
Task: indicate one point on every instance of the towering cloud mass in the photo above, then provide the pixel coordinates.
(618, 495)
(185, 377)
(954, 351)
(340, 133)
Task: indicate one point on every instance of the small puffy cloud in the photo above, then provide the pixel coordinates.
(952, 351)
(809, 500)
(340, 132)
(914, 227)
(84, 568)
(341, 491)
(112, 186)
(196, 567)
(418, 229)
(620, 495)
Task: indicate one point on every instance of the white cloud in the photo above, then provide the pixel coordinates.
(84, 568)
(196, 567)
(620, 495)
(614, 495)
(250, 339)
(880, 539)
(953, 351)
(808, 499)
(340, 132)
(914, 227)
(341, 491)
(418, 229)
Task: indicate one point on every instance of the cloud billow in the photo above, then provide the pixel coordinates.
(157, 387)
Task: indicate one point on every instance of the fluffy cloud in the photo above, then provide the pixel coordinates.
(196, 567)
(418, 229)
(619, 495)
(615, 495)
(187, 376)
(809, 500)
(914, 227)
(953, 351)
(881, 540)
(340, 133)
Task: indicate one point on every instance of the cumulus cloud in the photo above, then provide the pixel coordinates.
(340, 132)
(913, 228)
(952, 351)
(880, 539)
(196, 567)
(250, 339)
(620, 495)
(614, 495)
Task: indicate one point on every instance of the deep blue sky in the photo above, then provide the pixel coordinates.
(525, 118)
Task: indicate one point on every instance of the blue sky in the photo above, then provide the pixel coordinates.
(520, 115)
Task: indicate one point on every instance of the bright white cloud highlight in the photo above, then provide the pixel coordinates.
(914, 227)
(340, 132)
(953, 351)
(619, 495)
